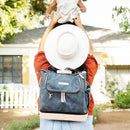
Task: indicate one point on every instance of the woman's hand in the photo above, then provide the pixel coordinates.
(54, 20)
(46, 16)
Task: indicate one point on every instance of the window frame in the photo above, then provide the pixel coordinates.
(13, 69)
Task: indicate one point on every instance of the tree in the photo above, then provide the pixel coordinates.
(39, 6)
(122, 13)
(15, 16)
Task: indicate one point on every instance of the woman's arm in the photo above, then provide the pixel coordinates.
(50, 9)
(79, 24)
(47, 31)
(81, 6)
(91, 63)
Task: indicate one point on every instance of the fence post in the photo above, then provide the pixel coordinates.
(20, 98)
(16, 98)
(11, 98)
(6, 93)
(37, 95)
(25, 98)
(33, 97)
(2, 99)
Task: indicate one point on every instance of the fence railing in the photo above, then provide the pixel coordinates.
(19, 98)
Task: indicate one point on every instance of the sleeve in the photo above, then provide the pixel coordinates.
(92, 66)
(40, 62)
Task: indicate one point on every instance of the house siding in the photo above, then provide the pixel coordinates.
(25, 69)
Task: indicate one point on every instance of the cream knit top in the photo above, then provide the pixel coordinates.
(67, 9)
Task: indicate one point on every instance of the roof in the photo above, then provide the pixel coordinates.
(107, 37)
(114, 45)
(99, 37)
(27, 37)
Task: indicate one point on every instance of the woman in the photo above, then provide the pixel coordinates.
(90, 66)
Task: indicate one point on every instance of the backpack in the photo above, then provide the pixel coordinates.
(64, 95)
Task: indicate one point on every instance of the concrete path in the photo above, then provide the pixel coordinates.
(115, 120)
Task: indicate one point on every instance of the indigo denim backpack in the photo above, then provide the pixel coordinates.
(64, 96)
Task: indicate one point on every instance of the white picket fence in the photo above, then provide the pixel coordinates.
(19, 98)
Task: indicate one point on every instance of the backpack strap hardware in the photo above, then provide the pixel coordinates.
(63, 100)
(81, 76)
(64, 71)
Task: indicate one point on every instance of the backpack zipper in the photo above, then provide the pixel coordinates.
(50, 95)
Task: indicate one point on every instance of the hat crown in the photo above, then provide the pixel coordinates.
(67, 45)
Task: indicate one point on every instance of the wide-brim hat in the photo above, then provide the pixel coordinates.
(66, 46)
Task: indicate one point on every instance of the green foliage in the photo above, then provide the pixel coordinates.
(122, 100)
(4, 88)
(39, 6)
(1, 44)
(123, 13)
(15, 16)
(31, 123)
(111, 88)
(96, 113)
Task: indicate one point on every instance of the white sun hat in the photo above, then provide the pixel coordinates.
(66, 46)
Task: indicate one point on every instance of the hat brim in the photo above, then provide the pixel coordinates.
(51, 45)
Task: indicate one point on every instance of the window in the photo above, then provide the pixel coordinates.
(11, 69)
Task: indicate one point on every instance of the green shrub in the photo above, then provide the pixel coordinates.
(39, 5)
(31, 123)
(111, 88)
(122, 100)
(4, 88)
(96, 113)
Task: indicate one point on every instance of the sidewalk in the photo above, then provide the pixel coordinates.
(115, 120)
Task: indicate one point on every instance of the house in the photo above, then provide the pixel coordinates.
(111, 49)
(17, 73)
